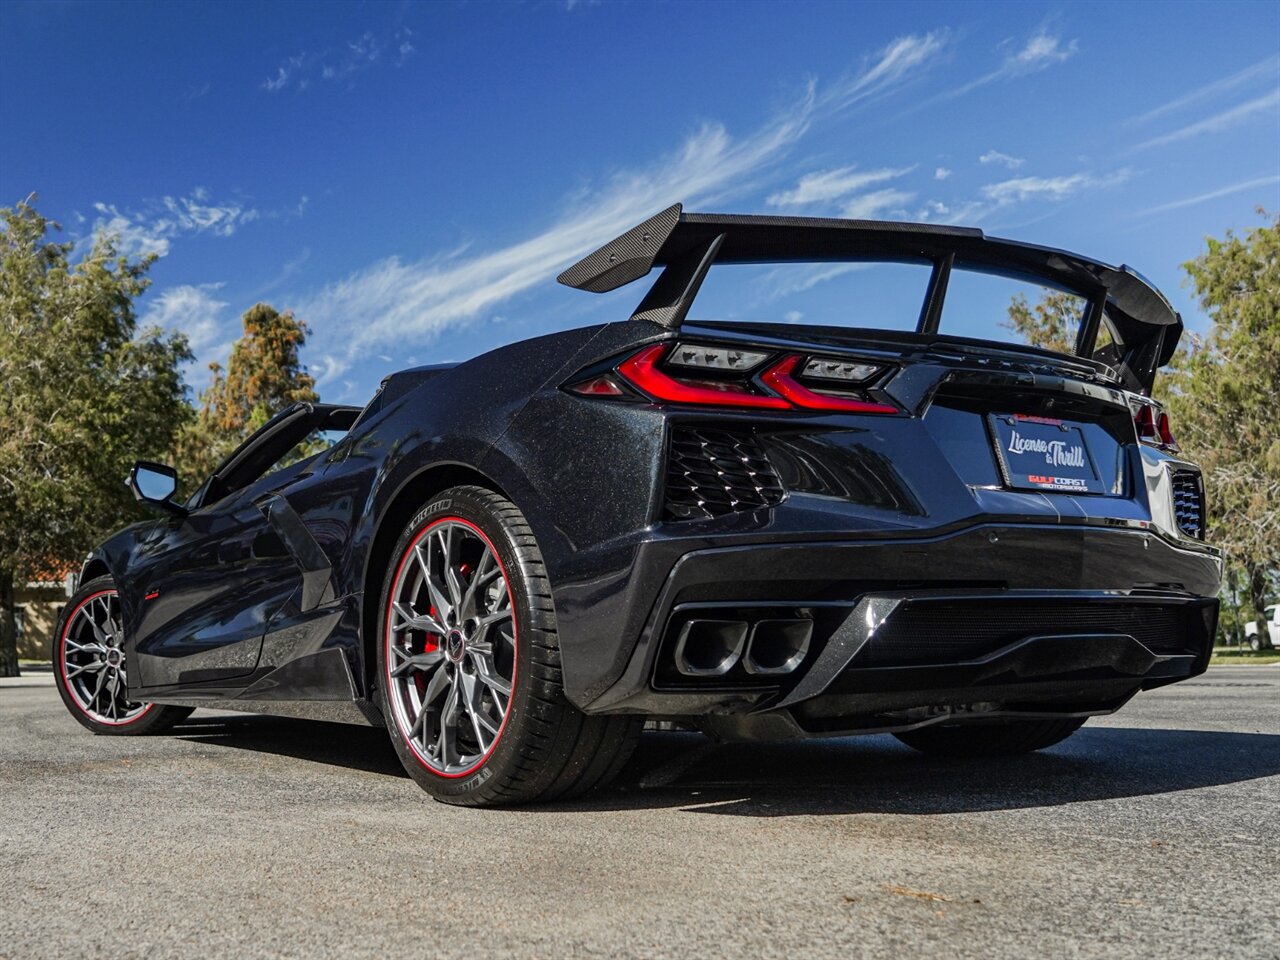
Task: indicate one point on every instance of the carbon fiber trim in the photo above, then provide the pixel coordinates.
(672, 234)
(627, 258)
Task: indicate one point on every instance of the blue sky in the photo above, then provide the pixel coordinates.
(409, 178)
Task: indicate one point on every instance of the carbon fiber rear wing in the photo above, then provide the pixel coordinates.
(687, 244)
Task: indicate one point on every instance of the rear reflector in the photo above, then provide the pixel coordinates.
(603, 386)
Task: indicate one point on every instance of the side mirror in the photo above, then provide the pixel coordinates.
(155, 484)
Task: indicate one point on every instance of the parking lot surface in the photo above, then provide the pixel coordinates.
(1152, 833)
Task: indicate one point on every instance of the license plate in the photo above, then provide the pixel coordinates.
(1039, 453)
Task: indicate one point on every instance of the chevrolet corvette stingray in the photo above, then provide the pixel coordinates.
(756, 529)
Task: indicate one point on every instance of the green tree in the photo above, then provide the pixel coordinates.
(1222, 398)
(1051, 324)
(1220, 392)
(83, 393)
(263, 376)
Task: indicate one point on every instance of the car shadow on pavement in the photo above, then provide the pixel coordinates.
(872, 774)
(367, 749)
(876, 774)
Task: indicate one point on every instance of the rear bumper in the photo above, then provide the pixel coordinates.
(1080, 618)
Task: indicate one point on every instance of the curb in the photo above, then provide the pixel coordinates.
(33, 679)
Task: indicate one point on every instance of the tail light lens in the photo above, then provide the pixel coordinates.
(1145, 421)
(779, 379)
(1153, 427)
(720, 376)
(642, 371)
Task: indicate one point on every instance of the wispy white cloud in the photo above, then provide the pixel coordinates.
(1040, 51)
(284, 73)
(1268, 69)
(826, 185)
(788, 279)
(1254, 184)
(404, 45)
(412, 302)
(870, 206)
(941, 173)
(1003, 159)
(1022, 189)
(342, 62)
(1224, 120)
(151, 229)
(899, 61)
(1007, 194)
(197, 312)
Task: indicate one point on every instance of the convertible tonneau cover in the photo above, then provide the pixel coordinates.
(691, 242)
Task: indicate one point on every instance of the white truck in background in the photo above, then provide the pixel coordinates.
(1271, 638)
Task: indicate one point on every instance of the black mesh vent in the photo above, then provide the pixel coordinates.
(951, 631)
(714, 472)
(1188, 502)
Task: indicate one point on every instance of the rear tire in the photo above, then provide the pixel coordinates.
(979, 739)
(91, 671)
(469, 672)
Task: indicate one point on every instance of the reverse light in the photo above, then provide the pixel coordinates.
(715, 358)
(642, 371)
(820, 368)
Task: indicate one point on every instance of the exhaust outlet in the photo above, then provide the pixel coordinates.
(777, 646)
(710, 648)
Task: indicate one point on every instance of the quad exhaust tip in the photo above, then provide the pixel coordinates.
(777, 646)
(711, 648)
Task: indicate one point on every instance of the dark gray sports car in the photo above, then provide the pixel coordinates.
(759, 530)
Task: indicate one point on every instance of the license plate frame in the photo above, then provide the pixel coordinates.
(1043, 454)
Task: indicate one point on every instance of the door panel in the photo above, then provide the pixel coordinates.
(210, 583)
(214, 581)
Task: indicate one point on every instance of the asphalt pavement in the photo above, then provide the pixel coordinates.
(1153, 833)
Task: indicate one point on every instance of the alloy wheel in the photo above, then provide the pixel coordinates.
(450, 647)
(92, 661)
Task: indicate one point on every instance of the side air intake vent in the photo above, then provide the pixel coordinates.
(714, 472)
(1188, 502)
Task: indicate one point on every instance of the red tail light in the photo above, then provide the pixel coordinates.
(1153, 426)
(642, 371)
(779, 378)
(720, 376)
(1145, 421)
